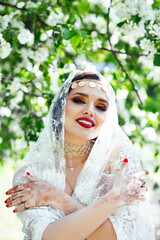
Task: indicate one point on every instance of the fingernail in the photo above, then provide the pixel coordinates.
(27, 173)
(147, 172)
(125, 160)
(6, 193)
(5, 201)
(14, 211)
(7, 205)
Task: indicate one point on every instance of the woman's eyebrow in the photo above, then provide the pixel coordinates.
(86, 95)
(103, 100)
(79, 93)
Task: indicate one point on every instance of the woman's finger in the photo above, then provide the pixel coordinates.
(124, 165)
(31, 178)
(16, 195)
(26, 205)
(141, 174)
(17, 188)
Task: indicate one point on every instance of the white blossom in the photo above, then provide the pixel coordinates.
(18, 98)
(25, 36)
(15, 85)
(149, 133)
(30, 4)
(18, 144)
(20, 4)
(5, 48)
(5, 112)
(17, 24)
(156, 27)
(4, 20)
(96, 45)
(41, 101)
(54, 18)
(122, 94)
(69, 67)
(132, 32)
(139, 113)
(101, 3)
(145, 10)
(68, 46)
(147, 45)
(40, 55)
(154, 74)
(153, 116)
(129, 128)
(99, 22)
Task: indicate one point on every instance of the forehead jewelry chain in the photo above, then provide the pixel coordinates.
(91, 83)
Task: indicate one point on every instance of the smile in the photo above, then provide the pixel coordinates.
(86, 123)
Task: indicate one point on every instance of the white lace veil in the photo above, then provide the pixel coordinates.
(47, 153)
(46, 160)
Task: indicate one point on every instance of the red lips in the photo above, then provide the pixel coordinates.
(85, 122)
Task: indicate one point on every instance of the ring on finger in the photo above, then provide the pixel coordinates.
(143, 182)
(24, 205)
(144, 187)
(19, 187)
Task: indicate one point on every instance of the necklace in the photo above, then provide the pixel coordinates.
(78, 150)
(71, 167)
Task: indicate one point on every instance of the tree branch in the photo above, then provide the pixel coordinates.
(126, 53)
(115, 55)
(12, 6)
(23, 9)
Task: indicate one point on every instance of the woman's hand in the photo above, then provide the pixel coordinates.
(36, 193)
(128, 188)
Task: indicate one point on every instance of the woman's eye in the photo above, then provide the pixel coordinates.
(77, 100)
(101, 108)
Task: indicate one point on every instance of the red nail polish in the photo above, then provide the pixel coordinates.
(125, 160)
(7, 205)
(6, 193)
(5, 201)
(14, 211)
(27, 173)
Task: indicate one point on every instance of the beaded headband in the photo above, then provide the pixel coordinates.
(91, 83)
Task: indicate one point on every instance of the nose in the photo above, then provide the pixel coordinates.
(88, 111)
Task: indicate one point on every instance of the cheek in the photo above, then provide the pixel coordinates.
(101, 118)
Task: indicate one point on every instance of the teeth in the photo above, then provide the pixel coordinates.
(85, 122)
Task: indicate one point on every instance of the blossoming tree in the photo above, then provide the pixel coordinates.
(41, 42)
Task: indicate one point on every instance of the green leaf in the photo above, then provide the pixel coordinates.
(68, 34)
(120, 24)
(156, 60)
(156, 169)
(83, 6)
(75, 40)
(41, 8)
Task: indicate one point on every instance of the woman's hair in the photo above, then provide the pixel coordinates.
(85, 75)
(57, 109)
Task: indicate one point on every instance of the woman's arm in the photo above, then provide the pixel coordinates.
(87, 213)
(80, 224)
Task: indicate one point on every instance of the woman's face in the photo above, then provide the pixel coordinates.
(85, 113)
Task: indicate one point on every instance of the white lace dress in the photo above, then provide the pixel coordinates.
(131, 222)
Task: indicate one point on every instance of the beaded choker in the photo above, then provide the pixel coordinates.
(77, 150)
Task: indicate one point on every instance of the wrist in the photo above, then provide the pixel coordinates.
(113, 199)
(72, 205)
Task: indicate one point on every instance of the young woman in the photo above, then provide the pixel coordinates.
(82, 179)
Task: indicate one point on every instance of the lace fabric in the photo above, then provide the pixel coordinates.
(46, 161)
